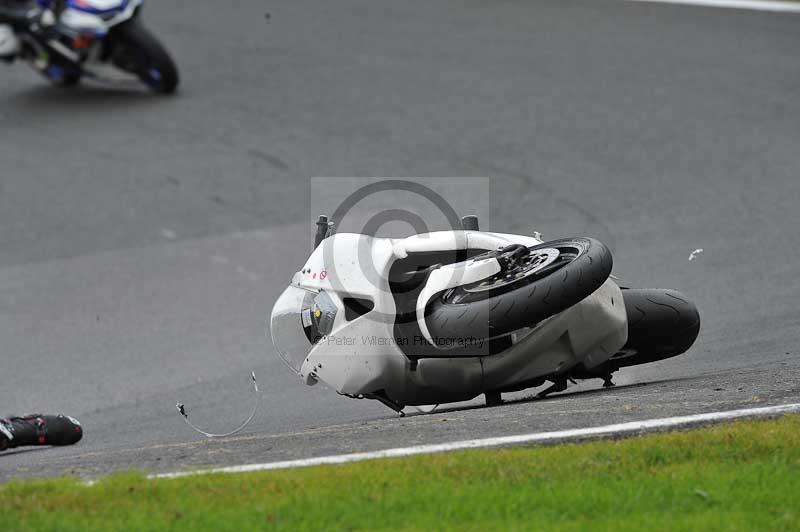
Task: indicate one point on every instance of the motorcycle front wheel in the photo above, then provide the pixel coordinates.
(136, 50)
(541, 281)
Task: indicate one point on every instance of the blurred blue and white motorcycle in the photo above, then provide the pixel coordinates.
(101, 40)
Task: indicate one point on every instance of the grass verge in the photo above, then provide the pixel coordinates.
(742, 476)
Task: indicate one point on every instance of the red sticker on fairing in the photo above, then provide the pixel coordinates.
(322, 275)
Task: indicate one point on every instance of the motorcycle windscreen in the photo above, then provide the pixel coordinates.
(300, 319)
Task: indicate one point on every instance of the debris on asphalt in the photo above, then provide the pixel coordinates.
(694, 254)
(185, 415)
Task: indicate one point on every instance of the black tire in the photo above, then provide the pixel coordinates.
(585, 267)
(136, 50)
(69, 78)
(661, 324)
(69, 81)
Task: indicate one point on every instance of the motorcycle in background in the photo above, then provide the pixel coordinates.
(102, 40)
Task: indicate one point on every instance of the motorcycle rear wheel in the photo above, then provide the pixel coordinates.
(661, 324)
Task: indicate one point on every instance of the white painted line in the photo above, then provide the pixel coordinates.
(757, 5)
(634, 427)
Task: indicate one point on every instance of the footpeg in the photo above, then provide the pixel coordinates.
(559, 385)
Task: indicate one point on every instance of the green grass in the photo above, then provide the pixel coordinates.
(743, 476)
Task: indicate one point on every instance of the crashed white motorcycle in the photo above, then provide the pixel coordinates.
(446, 316)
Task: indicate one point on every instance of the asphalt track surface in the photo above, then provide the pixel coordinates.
(143, 240)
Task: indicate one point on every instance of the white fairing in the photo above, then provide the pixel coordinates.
(83, 22)
(9, 44)
(98, 16)
(588, 333)
(347, 358)
(103, 5)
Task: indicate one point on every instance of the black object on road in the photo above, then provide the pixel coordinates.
(39, 429)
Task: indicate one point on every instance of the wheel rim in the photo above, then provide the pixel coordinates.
(529, 265)
(539, 263)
